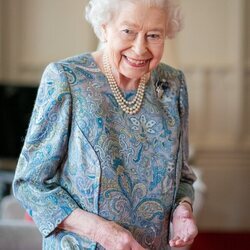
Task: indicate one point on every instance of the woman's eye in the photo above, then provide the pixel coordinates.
(128, 32)
(154, 36)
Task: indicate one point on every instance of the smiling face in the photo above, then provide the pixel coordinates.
(135, 40)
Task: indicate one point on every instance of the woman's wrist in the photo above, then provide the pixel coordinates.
(185, 201)
(82, 223)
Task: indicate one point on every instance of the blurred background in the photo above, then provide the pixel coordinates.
(213, 50)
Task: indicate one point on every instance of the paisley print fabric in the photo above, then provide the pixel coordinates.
(82, 151)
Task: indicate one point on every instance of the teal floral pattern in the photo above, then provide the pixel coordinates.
(82, 151)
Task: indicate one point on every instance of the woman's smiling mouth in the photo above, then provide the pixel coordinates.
(136, 63)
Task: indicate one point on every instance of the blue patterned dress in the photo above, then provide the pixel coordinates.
(83, 151)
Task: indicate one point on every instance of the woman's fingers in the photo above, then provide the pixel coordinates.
(178, 242)
(184, 227)
(183, 234)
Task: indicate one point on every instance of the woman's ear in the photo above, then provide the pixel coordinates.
(104, 33)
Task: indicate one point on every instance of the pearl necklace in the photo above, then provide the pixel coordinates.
(129, 107)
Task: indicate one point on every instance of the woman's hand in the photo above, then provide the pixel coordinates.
(114, 237)
(107, 233)
(184, 227)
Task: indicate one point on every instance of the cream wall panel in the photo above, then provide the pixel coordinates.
(10, 39)
(206, 33)
(226, 174)
(247, 33)
(44, 31)
(211, 97)
(214, 104)
(213, 50)
(235, 25)
(57, 30)
(247, 109)
(196, 82)
(247, 72)
(211, 45)
(224, 109)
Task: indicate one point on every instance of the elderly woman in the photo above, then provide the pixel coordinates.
(104, 162)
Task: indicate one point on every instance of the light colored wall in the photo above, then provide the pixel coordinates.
(213, 50)
(247, 32)
(206, 33)
(57, 30)
(38, 32)
(210, 50)
(247, 70)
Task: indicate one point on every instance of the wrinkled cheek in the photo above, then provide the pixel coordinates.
(115, 58)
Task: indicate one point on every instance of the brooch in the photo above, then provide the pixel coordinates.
(159, 87)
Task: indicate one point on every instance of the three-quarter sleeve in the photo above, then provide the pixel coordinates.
(187, 178)
(36, 183)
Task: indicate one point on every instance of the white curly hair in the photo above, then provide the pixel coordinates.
(100, 12)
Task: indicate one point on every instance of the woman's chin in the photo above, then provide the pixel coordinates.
(133, 75)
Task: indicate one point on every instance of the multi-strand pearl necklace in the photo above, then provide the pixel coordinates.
(129, 107)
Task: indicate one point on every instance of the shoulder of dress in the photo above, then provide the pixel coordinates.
(72, 62)
(76, 68)
(76, 60)
(168, 72)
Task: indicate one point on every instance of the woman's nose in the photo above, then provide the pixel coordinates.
(139, 45)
